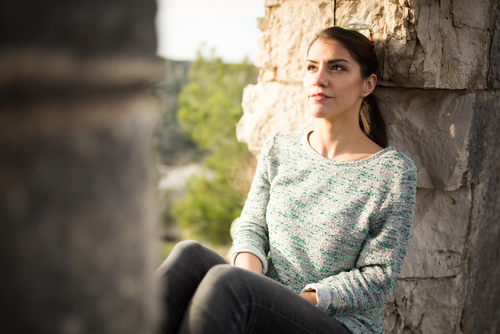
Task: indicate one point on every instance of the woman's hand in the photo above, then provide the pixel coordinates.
(248, 261)
(309, 296)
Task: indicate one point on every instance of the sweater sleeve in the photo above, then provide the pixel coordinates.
(380, 261)
(251, 235)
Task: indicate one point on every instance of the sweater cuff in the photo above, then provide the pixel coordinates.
(323, 295)
(251, 250)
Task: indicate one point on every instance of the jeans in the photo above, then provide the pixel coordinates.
(202, 293)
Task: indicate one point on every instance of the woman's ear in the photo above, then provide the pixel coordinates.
(369, 85)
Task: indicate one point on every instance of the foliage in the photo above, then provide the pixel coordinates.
(172, 146)
(210, 107)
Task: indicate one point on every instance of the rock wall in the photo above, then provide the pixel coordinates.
(77, 186)
(439, 88)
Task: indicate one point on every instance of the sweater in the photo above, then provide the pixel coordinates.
(338, 228)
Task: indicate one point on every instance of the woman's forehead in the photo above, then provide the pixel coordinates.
(327, 49)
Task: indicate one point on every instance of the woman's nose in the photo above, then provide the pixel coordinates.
(320, 79)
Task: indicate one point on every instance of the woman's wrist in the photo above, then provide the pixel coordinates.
(310, 296)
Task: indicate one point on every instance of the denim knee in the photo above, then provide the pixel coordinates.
(184, 252)
(224, 278)
(223, 290)
(224, 273)
(189, 246)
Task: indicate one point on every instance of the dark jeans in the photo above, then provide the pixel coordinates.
(202, 293)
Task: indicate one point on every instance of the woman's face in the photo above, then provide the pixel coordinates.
(333, 82)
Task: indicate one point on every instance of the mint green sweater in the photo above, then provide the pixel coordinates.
(338, 228)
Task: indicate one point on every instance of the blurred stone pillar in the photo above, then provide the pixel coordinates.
(439, 88)
(77, 187)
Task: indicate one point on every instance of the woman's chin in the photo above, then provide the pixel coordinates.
(319, 113)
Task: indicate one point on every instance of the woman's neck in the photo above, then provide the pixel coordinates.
(341, 141)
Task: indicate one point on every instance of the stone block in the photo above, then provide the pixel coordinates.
(494, 74)
(425, 44)
(439, 233)
(430, 306)
(270, 107)
(484, 154)
(432, 128)
(288, 29)
(482, 305)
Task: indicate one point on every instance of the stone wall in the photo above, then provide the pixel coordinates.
(77, 186)
(439, 88)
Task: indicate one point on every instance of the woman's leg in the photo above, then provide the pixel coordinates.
(179, 275)
(231, 300)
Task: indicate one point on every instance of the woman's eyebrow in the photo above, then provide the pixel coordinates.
(328, 62)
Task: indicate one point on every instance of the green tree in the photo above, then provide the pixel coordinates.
(210, 107)
(170, 143)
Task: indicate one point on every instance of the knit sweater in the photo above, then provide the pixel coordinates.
(338, 228)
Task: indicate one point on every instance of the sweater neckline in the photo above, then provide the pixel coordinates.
(362, 161)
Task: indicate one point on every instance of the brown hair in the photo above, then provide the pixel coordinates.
(371, 120)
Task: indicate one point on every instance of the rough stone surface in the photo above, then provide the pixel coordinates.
(482, 306)
(270, 107)
(439, 233)
(425, 306)
(494, 74)
(287, 29)
(484, 138)
(426, 44)
(432, 127)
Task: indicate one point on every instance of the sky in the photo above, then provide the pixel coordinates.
(228, 26)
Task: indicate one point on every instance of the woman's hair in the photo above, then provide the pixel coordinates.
(371, 120)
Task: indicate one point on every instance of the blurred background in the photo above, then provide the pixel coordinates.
(208, 49)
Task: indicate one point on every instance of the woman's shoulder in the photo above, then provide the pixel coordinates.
(284, 139)
(395, 161)
(287, 135)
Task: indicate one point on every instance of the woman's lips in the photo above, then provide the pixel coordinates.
(319, 97)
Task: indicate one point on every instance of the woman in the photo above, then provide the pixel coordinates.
(327, 220)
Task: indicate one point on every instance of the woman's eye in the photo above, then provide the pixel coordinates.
(311, 67)
(338, 68)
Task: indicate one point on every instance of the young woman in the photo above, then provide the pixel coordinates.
(326, 225)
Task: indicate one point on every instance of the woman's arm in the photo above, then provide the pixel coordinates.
(251, 235)
(251, 262)
(369, 283)
(248, 261)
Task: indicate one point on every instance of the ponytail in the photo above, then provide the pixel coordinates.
(371, 121)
